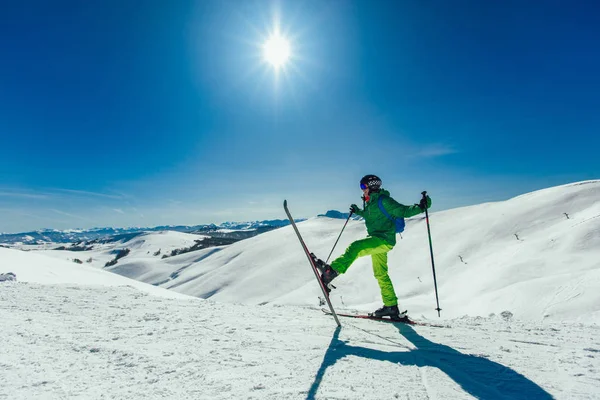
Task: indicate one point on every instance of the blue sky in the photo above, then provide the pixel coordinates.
(127, 113)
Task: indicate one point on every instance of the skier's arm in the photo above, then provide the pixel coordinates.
(400, 210)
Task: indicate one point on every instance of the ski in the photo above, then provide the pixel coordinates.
(311, 260)
(402, 320)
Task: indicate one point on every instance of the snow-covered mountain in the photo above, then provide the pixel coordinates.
(536, 255)
(518, 284)
(53, 236)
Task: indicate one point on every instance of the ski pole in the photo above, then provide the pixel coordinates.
(438, 309)
(338, 239)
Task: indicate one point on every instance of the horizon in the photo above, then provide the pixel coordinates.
(116, 115)
(303, 218)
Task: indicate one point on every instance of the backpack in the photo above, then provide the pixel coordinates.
(398, 222)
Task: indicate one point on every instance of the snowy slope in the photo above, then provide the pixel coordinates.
(94, 342)
(143, 247)
(145, 260)
(78, 332)
(522, 255)
(536, 255)
(41, 269)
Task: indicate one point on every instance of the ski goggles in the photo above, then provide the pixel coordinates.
(363, 186)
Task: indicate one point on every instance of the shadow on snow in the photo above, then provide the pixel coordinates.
(478, 376)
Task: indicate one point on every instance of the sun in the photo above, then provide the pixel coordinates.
(276, 51)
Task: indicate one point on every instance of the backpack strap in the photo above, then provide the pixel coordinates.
(383, 210)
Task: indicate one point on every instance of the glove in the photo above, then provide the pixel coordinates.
(354, 209)
(425, 203)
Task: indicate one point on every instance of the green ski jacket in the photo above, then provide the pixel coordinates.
(377, 223)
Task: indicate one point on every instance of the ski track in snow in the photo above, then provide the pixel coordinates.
(91, 342)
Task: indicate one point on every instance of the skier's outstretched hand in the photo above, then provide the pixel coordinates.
(425, 203)
(354, 209)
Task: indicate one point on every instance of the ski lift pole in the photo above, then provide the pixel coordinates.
(438, 309)
(338, 239)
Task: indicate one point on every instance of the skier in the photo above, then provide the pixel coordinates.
(380, 240)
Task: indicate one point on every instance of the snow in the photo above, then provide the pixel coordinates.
(93, 342)
(38, 268)
(551, 272)
(224, 230)
(520, 314)
(143, 263)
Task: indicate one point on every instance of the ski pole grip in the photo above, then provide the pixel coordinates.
(424, 193)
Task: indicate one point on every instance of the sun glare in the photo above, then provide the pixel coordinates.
(276, 51)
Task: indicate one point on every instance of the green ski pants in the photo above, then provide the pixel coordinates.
(376, 248)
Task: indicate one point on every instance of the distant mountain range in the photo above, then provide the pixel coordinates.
(338, 215)
(227, 230)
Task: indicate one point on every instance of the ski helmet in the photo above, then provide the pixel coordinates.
(370, 181)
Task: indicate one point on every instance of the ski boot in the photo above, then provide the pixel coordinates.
(392, 312)
(320, 264)
(327, 273)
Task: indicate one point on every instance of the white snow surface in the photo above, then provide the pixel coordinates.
(520, 313)
(38, 268)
